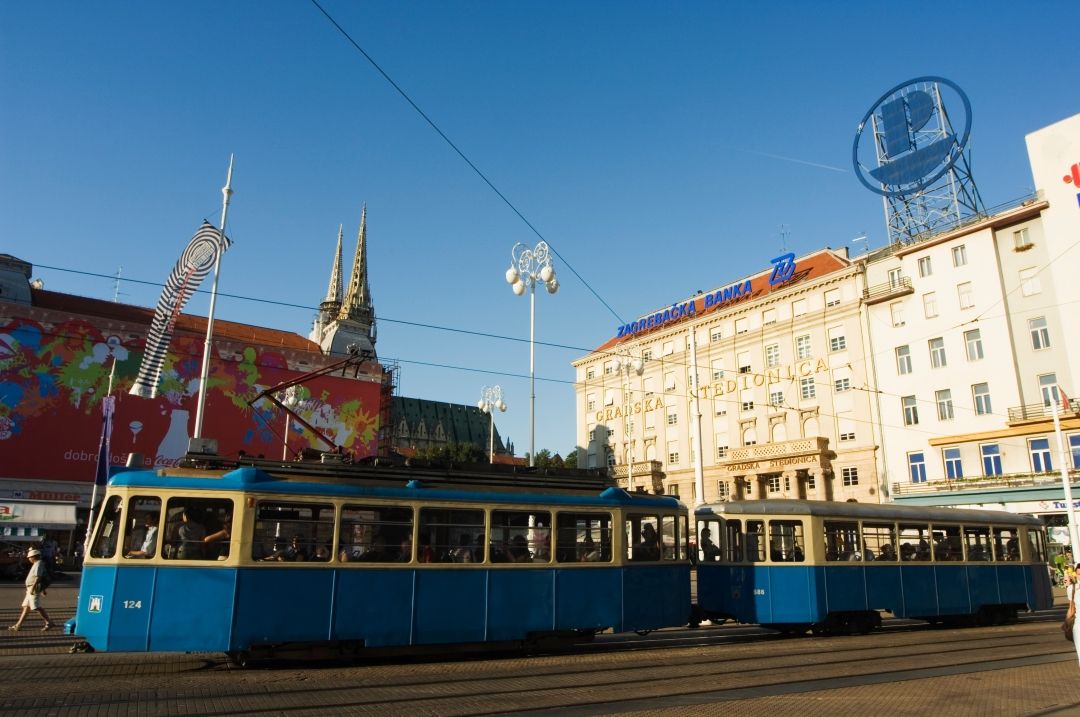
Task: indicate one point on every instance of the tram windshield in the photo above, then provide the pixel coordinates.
(108, 529)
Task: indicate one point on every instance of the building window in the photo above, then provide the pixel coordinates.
(991, 458)
(667, 348)
(721, 451)
(722, 489)
(959, 255)
(802, 346)
(973, 343)
(768, 317)
(1048, 388)
(850, 476)
(1040, 335)
(772, 355)
(849, 436)
(917, 466)
(592, 435)
(1074, 448)
(669, 381)
(1040, 455)
(944, 404)
(965, 295)
(715, 335)
(924, 267)
(832, 297)
(937, 353)
(747, 396)
(911, 411)
(590, 402)
(609, 397)
(774, 484)
(776, 398)
(741, 326)
(807, 388)
(590, 373)
(954, 468)
(646, 355)
(798, 307)
(841, 385)
(837, 339)
(673, 453)
(929, 302)
(811, 482)
(672, 417)
(896, 278)
(903, 360)
(649, 385)
(721, 408)
(981, 393)
(896, 308)
(743, 361)
(749, 437)
(611, 459)
(1021, 240)
(717, 369)
(608, 368)
(1029, 281)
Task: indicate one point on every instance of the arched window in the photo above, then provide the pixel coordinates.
(779, 432)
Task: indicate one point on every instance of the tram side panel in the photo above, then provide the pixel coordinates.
(520, 602)
(655, 596)
(279, 605)
(193, 609)
(375, 606)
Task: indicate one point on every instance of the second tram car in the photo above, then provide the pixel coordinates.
(797, 565)
(264, 556)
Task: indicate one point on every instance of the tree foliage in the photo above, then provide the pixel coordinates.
(454, 453)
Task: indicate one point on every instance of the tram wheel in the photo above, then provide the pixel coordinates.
(643, 633)
(238, 658)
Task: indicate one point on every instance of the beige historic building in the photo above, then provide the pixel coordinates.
(780, 395)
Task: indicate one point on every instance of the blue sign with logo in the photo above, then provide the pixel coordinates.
(911, 152)
(783, 269)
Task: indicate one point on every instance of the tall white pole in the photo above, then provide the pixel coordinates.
(108, 458)
(532, 371)
(695, 418)
(628, 401)
(1065, 482)
(204, 376)
(491, 437)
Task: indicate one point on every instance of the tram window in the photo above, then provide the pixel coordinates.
(786, 541)
(143, 521)
(684, 537)
(755, 541)
(108, 529)
(947, 545)
(669, 538)
(583, 537)
(733, 541)
(375, 534)
(1006, 544)
(842, 541)
(1037, 543)
(879, 541)
(977, 541)
(445, 530)
(915, 542)
(524, 534)
(292, 531)
(708, 542)
(643, 537)
(197, 529)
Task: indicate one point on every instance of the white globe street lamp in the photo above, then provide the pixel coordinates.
(630, 366)
(490, 400)
(527, 266)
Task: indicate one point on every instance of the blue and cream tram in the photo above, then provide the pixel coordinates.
(263, 556)
(831, 567)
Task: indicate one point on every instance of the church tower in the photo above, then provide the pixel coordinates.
(348, 320)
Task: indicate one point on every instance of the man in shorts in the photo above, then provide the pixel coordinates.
(34, 591)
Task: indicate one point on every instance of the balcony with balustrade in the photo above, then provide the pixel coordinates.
(648, 476)
(1034, 412)
(901, 286)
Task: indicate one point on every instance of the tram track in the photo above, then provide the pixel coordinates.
(581, 681)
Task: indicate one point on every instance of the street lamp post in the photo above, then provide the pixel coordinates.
(625, 364)
(527, 266)
(491, 399)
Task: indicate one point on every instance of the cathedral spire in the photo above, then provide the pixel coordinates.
(357, 301)
(334, 291)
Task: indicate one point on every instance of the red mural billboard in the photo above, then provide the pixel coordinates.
(54, 375)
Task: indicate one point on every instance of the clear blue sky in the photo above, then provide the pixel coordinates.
(633, 135)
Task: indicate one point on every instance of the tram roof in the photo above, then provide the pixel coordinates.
(250, 479)
(880, 511)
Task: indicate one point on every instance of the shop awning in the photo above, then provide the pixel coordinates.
(47, 515)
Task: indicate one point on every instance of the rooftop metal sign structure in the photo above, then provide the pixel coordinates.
(914, 157)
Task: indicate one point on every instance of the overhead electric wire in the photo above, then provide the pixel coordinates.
(461, 154)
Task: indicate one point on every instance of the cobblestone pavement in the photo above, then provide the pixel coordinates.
(1016, 670)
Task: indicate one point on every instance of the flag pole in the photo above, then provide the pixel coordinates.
(205, 375)
(1065, 482)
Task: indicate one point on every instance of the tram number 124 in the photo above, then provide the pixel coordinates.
(133, 604)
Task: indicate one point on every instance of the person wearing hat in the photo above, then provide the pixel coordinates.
(32, 601)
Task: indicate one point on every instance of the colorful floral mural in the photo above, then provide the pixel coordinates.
(53, 377)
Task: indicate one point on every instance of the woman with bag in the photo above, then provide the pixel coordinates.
(1070, 627)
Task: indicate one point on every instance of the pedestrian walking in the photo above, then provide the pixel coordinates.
(35, 588)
